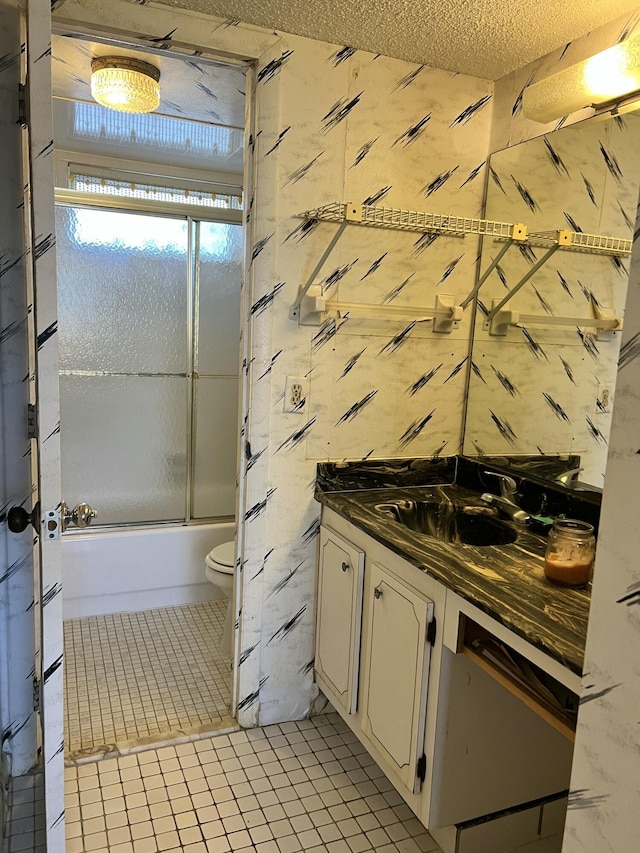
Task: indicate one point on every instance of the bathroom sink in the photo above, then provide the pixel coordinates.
(447, 523)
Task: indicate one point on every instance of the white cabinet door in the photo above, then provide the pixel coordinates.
(397, 670)
(339, 618)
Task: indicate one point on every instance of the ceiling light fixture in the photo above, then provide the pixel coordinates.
(124, 84)
(606, 80)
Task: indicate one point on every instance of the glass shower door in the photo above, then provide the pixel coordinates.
(149, 316)
(218, 258)
(124, 310)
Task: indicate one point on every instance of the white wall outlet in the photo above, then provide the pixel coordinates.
(603, 399)
(295, 394)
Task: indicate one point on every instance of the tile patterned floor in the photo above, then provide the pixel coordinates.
(306, 786)
(25, 823)
(136, 677)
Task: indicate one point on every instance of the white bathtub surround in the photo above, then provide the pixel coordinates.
(123, 570)
(135, 678)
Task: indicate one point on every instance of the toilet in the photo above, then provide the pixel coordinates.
(219, 570)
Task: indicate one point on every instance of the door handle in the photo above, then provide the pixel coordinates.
(18, 519)
(81, 515)
(377, 592)
(345, 567)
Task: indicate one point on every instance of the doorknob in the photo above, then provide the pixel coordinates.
(81, 515)
(18, 519)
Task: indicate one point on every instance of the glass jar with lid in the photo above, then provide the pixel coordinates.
(571, 548)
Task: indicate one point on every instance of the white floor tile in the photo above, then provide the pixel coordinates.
(194, 804)
(131, 677)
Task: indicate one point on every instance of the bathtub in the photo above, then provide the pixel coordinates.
(113, 571)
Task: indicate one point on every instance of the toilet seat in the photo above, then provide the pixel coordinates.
(222, 558)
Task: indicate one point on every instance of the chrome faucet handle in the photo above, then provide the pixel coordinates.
(568, 477)
(508, 486)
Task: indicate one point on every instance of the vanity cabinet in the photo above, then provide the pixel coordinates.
(396, 654)
(375, 655)
(338, 618)
(396, 673)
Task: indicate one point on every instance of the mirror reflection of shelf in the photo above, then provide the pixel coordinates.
(577, 241)
(601, 325)
(498, 319)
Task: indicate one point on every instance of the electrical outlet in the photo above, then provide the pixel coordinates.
(295, 394)
(603, 399)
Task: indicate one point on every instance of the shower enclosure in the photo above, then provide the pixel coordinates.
(149, 360)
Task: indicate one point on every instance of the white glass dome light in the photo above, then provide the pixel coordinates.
(125, 84)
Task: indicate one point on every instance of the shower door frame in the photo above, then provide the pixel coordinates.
(225, 216)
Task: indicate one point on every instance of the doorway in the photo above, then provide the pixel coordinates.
(149, 249)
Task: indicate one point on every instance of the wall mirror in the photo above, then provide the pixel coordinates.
(542, 388)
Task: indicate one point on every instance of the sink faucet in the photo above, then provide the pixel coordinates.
(506, 501)
(568, 477)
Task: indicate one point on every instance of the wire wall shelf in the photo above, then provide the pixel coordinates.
(398, 219)
(577, 241)
(312, 308)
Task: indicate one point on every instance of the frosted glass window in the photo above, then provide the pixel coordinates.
(219, 312)
(216, 437)
(124, 446)
(105, 185)
(122, 291)
(154, 132)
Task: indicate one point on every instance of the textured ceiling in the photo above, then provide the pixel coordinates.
(485, 38)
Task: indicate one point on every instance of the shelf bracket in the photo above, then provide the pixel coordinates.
(313, 309)
(352, 213)
(294, 311)
(499, 319)
(605, 314)
(563, 239)
(447, 314)
(518, 235)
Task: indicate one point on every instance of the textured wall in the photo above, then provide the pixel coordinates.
(605, 784)
(536, 388)
(348, 126)
(332, 124)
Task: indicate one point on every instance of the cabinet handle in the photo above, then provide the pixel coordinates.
(377, 592)
(345, 567)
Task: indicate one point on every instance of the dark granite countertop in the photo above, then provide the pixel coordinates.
(505, 581)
